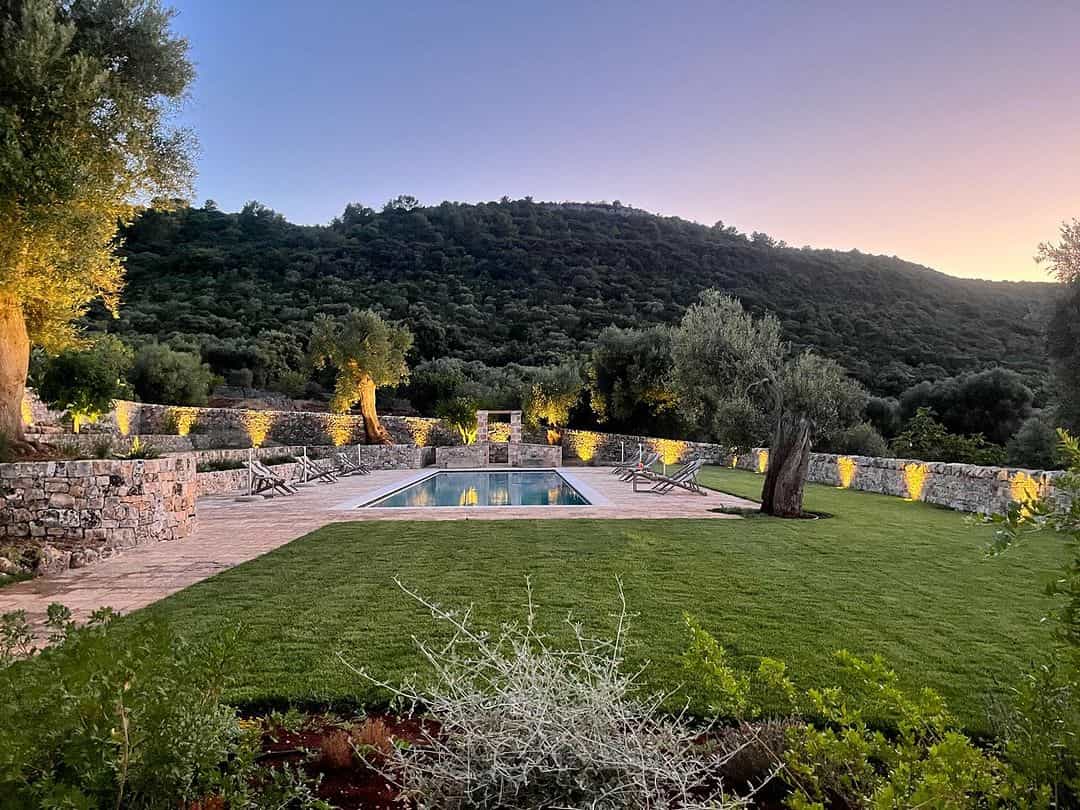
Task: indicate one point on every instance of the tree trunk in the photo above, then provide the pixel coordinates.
(376, 433)
(789, 458)
(14, 361)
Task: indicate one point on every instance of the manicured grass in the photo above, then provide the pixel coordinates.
(885, 576)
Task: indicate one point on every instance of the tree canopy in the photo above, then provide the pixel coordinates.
(536, 283)
(86, 91)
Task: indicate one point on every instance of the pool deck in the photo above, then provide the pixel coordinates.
(231, 532)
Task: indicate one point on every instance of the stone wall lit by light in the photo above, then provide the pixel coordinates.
(1025, 490)
(27, 413)
(915, 480)
(339, 428)
(257, 424)
(670, 450)
(125, 411)
(845, 468)
(184, 419)
(584, 444)
(762, 461)
(419, 430)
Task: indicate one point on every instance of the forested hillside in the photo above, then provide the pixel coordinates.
(533, 283)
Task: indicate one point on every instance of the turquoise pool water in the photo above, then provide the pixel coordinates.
(531, 488)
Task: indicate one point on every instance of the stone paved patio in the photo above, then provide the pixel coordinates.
(231, 532)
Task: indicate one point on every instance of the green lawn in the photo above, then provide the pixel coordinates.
(885, 576)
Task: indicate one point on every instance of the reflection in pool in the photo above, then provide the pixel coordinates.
(532, 488)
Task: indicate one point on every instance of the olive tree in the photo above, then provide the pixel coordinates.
(86, 91)
(366, 352)
(737, 376)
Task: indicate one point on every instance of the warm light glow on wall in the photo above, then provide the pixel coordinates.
(469, 497)
(762, 461)
(28, 413)
(419, 430)
(845, 466)
(553, 436)
(257, 424)
(584, 445)
(339, 428)
(1025, 490)
(915, 479)
(124, 412)
(185, 419)
(734, 461)
(670, 450)
(499, 432)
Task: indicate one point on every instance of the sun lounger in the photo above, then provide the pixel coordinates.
(646, 465)
(623, 466)
(685, 478)
(265, 481)
(347, 465)
(314, 471)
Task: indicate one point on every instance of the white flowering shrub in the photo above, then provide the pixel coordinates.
(520, 722)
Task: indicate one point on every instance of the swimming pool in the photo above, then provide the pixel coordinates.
(485, 488)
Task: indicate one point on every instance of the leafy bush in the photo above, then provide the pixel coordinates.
(220, 465)
(132, 721)
(169, 377)
(1035, 445)
(282, 458)
(884, 414)
(526, 724)
(84, 383)
(993, 403)
(460, 414)
(139, 450)
(927, 439)
(862, 439)
(839, 756)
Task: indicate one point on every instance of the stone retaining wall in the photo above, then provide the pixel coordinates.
(519, 454)
(234, 482)
(592, 447)
(60, 514)
(965, 487)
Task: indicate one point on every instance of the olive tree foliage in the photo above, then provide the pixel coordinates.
(86, 93)
(84, 382)
(551, 395)
(735, 373)
(1062, 260)
(366, 353)
(629, 379)
(169, 377)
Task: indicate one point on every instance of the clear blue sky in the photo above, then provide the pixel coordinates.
(949, 136)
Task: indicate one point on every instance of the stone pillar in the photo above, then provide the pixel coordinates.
(515, 427)
(481, 427)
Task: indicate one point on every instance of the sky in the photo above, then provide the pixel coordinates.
(944, 133)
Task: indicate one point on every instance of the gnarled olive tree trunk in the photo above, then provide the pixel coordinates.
(789, 458)
(14, 361)
(376, 433)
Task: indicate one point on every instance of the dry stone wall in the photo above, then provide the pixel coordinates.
(592, 447)
(61, 514)
(965, 487)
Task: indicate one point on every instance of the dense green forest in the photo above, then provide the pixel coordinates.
(518, 281)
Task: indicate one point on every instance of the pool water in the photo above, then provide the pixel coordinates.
(532, 488)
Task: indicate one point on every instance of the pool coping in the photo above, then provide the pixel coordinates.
(590, 494)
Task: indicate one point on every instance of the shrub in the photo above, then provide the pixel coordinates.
(220, 465)
(840, 756)
(884, 414)
(139, 450)
(132, 721)
(84, 383)
(1035, 445)
(927, 439)
(170, 377)
(525, 723)
(281, 458)
(993, 402)
(862, 439)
